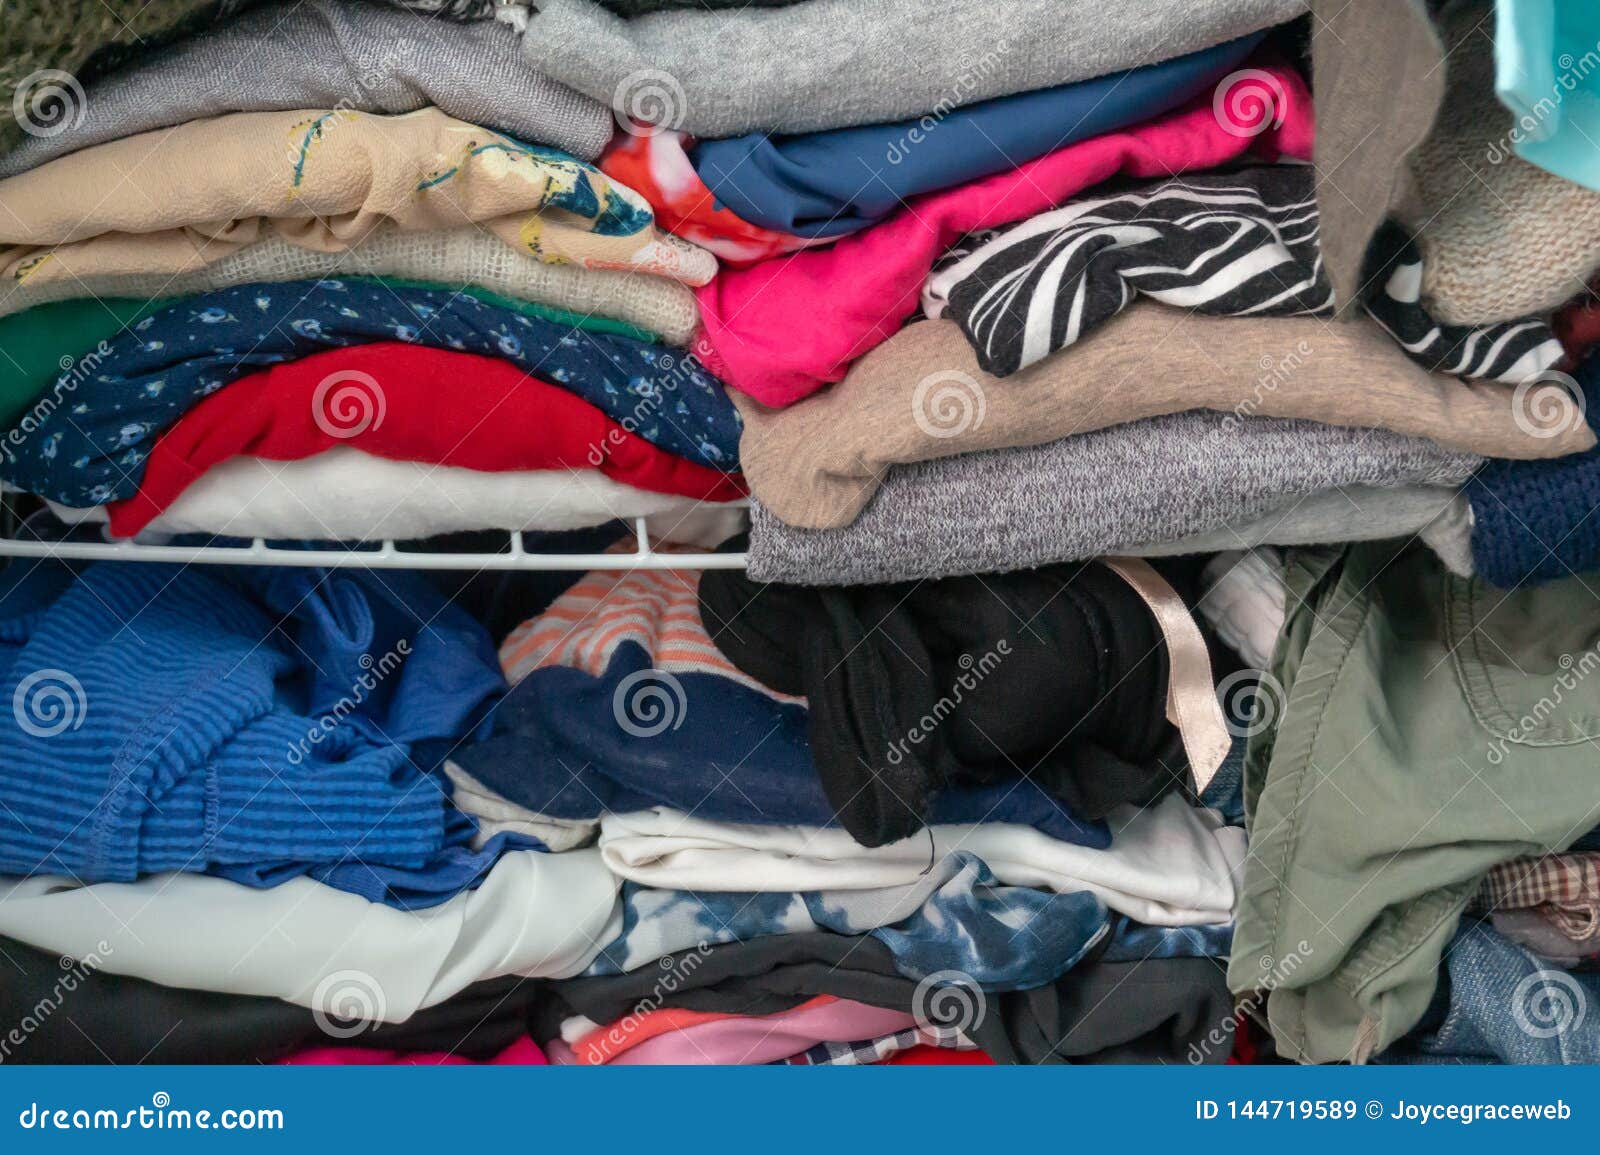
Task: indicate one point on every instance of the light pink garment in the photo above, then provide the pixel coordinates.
(522, 1053)
(781, 329)
(745, 1040)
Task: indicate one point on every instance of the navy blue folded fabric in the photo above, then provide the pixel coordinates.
(91, 448)
(736, 754)
(828, 184)
(1536, 521)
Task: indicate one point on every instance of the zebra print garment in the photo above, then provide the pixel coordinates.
(1234, 244)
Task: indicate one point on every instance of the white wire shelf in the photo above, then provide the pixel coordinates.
(375, 555)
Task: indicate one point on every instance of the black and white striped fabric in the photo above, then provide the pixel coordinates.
(1235, 244)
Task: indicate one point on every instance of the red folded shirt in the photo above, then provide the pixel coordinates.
(408, 403)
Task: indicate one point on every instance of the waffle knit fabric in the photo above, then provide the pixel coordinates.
(1535, 521)
(332, 54)
(466, 256)
(1500, 237)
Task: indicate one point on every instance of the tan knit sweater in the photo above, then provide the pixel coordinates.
(1501, 238)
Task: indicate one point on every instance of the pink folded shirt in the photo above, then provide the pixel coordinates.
(785, 327)
(741, 1040)
(522, 1053)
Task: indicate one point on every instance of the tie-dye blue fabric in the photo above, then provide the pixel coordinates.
(957, 917)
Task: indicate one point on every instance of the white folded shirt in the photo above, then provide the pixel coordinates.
(1170, 864)
(538, 915)
(343, 494)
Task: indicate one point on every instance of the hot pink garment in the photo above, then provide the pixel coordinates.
(522, 1053)
(742, 1040)
(783, 328)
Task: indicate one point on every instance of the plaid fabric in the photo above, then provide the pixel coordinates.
(1565, 886)
(877, 1050)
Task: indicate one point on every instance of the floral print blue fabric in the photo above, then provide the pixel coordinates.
(91, 448)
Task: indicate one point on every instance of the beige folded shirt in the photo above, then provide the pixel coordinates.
(921, 395)
(173, 200)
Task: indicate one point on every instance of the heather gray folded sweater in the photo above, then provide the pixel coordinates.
(322, 54)
(1120, 490)
(825, 64)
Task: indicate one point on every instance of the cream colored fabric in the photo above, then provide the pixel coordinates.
(466, 256)
(920, 395)
(175, 199)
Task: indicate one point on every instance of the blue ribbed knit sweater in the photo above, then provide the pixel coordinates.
(162, 717)
(1538, 521)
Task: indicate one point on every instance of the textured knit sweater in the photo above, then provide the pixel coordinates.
(332, 54)
(1500, 237)
(834, 63)
(183, 719)
(1098, 493)
(1536, 522)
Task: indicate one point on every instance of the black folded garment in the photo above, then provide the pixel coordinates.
(1059, 674)
(1160, 1010)
(59, 1010)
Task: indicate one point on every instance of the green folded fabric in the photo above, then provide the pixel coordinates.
(1428, 728)
(43, 348)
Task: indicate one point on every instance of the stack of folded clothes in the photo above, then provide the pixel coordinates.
(1162, 628)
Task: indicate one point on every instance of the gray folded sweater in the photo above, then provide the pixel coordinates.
(825, 64)
(325, 54)
(1124, 489)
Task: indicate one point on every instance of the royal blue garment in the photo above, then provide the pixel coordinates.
(1535, 521)
(956, 917)
(1504, 1004)
(827, 184)
(736, 755)
(195, 718)
(92, 448)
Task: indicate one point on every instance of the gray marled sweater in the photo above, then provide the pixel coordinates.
(1120, 490)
